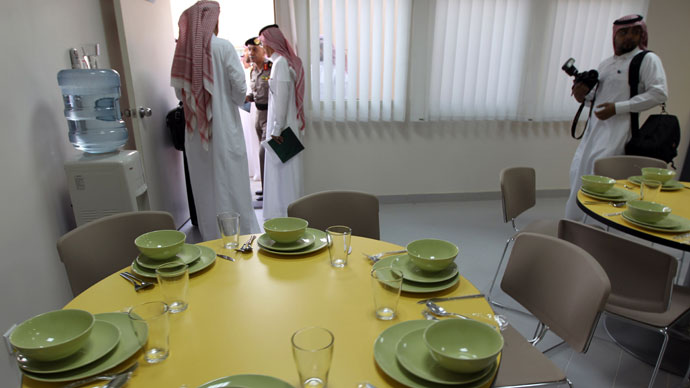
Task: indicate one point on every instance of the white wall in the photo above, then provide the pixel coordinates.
(34, 201)
(424, 158)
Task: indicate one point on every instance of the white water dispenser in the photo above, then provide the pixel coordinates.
(104, 184)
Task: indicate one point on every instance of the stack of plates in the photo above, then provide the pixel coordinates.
(671, 224)
(112, 341)
(401, 353)
(311, 241)
(197, 257)
(614, 194)
(670, 185)
(416, 280)
(248, 381)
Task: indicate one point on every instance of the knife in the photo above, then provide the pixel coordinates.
(423, 301)
(225, 257)
(119, 380)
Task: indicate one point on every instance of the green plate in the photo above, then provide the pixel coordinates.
(247, 381)
(413, 273)
(320, 241)
(671, 224)
(208, 257)
(306, 240)
(187, 255)
(414, 356)
(670, 185)
(102, 340)
(385, 350)
(410, 286)
(128, 345)
(615, 193)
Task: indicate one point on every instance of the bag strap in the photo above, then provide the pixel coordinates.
(577, 116)
(633, 81)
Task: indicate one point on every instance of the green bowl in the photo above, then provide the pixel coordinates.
(160, 244)
(285, 229)
(646, 211)
(597, 183)
(53, 335)
(463, 345)
(432, 255)
(657, 174)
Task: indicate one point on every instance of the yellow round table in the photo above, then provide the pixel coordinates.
(242, 314)
(678, 201)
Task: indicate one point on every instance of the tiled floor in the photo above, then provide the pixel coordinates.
(477, 228)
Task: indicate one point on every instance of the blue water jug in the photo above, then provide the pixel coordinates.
(92, 109)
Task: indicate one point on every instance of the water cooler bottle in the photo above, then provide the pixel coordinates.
(104, 180)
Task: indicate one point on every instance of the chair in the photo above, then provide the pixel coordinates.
(566, 289)
(654, 303)
(518, 194)
(95, 250)
(624, 166)
(359, 211)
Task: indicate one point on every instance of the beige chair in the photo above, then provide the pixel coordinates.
(566, 289)
(95, 250)
(624, 166)
(518, 194)
(359, 211)
(642, 289)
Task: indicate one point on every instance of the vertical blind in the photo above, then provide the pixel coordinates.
(501, 59)
(359, 54)
(488, 59)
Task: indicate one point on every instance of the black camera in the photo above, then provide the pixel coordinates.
(589, 77)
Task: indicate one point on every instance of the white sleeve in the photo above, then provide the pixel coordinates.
(235, 72)
(653, 80)
(280, 88)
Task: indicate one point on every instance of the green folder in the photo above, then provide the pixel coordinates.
(290, 147)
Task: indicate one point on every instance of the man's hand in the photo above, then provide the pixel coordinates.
(580, 91)
(278, 139)
(605, 110)
(249, 98)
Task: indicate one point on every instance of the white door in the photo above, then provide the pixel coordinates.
(147, 45)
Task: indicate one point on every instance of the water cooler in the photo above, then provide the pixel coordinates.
(104, 184)
(104, 180)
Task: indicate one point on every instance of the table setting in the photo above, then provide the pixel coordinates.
(246, 317)
(654, 203)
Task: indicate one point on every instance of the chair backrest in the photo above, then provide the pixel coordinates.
(95, 250)
(559, 283)
(359, 211)
(518, 191)
(641, 276)
(624, 166)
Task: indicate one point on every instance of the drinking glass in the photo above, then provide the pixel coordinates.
(649, 189)
(386, 284)
(229, 225)
(339, 244)
(312, 349)
(173, 279)
(150, 323)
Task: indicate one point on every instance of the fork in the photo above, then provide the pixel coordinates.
(105, 377)
(138, 283)
(378, 256)
(247, 246)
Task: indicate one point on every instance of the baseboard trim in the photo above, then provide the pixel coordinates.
(450, 197)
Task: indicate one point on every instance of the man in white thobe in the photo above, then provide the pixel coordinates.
(609, 130)
(217, 161)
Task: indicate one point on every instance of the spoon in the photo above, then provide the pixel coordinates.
(441, 312)
(428, 316)
(614, 204)
(247, 246)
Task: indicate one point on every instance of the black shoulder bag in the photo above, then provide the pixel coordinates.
(175, 122)
(660, 134)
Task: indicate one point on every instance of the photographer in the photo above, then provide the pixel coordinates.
(609, 130)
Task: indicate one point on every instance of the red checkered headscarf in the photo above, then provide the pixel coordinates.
(272, 36)
(192, 68)
(631, 21)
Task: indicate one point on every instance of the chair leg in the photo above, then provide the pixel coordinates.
(659, 359)
(498, 269)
